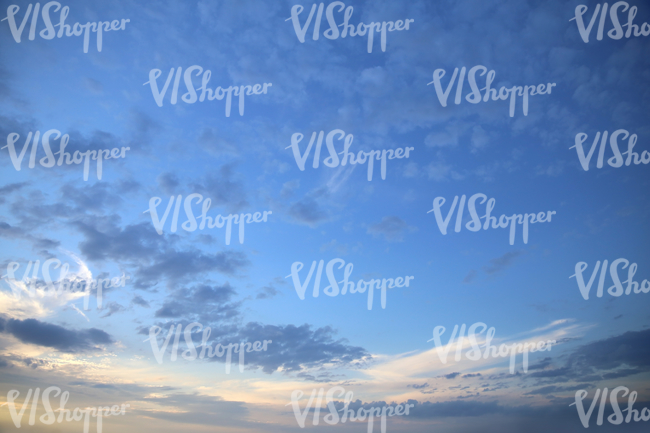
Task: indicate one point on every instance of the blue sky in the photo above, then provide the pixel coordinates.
(243, 163)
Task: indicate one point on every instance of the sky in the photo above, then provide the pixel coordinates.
(134, 95)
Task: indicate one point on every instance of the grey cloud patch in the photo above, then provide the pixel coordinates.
(104, 240)
(615, 357)
(95, 197)
(33, 331)
(10, 232)
(267, 292)
(293, 348)
(214, 143)
(138, 300)
(93, 86)
(198, 409)
(298, 347)
(392, 228)
(471, 276)
(141, 130)
(558, 389)
(177, 264)
(454, 409)
(215, 304)
(113, 307)
(631, 348)
(308, 211)
(140, 245)
(8, 189)
(223, 189)
(288, 188)
(168, 183)
(501, 263)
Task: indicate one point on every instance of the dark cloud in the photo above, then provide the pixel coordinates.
(223, 189)
(631, 348)
(177, 264)
(39, 243)
(552, 389)
(501, 263)
(112, 307)
(471, 276)
(615, 357)
(198, 409)
(138, 300)
(8, 189)
(104, 240)
(140, 246)
(33, 331)
(293, 348)
(298, 347)
(308, 211)
(204, 303)
(93, 86)
(454, 409)
(168, 183)
(215, 143)
(96, 197)
(267, 292)
(415, 386)
(142, 129)
(392, 228)
(288, 188)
